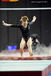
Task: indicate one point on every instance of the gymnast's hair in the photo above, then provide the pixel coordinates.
(24, 19)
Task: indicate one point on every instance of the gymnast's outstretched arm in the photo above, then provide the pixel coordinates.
(11, 25)
(6, 24)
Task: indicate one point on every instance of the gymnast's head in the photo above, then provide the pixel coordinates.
(24, 21)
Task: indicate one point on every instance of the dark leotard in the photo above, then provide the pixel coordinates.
(25, 31)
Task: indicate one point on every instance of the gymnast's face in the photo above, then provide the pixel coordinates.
(24, 24)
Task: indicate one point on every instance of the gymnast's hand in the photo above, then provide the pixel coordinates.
(6, 24)
(34, 19)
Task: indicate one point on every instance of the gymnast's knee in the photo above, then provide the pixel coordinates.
(21, 46)
(28, 45)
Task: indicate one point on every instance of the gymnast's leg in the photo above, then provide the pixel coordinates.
(29, 44)
(22, 45)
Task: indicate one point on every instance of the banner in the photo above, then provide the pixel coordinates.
(9, 0)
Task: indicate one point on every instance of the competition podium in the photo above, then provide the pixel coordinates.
(25, 67)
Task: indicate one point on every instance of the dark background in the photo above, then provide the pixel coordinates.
(12, 36)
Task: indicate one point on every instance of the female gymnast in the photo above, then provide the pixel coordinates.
(25, 29)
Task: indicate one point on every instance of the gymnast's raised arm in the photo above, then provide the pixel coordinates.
(33, 20)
